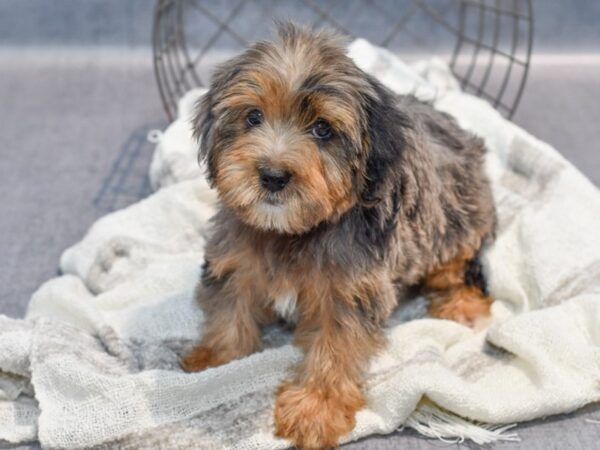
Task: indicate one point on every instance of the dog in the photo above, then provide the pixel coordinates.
(336, 196)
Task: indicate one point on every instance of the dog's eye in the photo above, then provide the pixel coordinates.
(321, 129)
(254, 118)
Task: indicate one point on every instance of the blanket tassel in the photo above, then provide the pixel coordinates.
(434, 422)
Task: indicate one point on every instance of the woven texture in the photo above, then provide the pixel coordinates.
(101, 343)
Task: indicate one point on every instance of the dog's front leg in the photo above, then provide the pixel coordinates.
(234, 312)
(338, 337)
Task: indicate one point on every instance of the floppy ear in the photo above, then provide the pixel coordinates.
(205, 122)
(385, 127)
(203, 132)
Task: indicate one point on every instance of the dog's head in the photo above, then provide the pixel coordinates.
(295, 134)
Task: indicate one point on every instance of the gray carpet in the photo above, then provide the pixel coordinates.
(64, 126)
(78, 97)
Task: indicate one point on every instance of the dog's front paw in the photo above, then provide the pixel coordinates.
(200, 358)
(315, 418)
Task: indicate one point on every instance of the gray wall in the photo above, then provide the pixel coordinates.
(561, 25)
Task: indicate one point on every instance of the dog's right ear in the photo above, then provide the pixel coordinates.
(203, 122)
(206, 121)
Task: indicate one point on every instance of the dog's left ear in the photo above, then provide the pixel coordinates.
(385, 127)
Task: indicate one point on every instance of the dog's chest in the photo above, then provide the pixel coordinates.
(289, 276)
(285, 305)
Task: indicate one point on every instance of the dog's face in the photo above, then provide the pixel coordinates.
(286, 129)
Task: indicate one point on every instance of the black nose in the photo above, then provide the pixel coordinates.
(274, 180)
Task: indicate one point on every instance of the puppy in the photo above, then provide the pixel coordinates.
(335, 196)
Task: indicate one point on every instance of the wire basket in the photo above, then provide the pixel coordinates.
(487, 43)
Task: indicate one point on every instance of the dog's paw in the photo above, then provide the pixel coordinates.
(313, 418)
(200, 358)
(464, 304)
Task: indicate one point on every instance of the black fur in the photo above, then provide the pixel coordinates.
(385, 129)
(474, 274)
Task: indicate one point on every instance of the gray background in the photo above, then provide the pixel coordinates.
(77, 97)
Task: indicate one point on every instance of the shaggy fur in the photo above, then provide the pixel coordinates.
(373, 193)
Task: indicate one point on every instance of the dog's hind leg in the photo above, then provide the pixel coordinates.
(456, 290)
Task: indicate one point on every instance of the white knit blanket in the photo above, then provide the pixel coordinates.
(95, 361)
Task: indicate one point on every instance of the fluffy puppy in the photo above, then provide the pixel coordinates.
(335, 196)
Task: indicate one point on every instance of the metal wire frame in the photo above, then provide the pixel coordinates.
(128, 180)
(496, 70)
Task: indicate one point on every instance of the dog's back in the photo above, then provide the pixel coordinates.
(447, 205)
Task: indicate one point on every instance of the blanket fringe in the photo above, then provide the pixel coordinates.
(434, 422)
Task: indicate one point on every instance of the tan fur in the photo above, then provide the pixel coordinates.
(450, 298)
